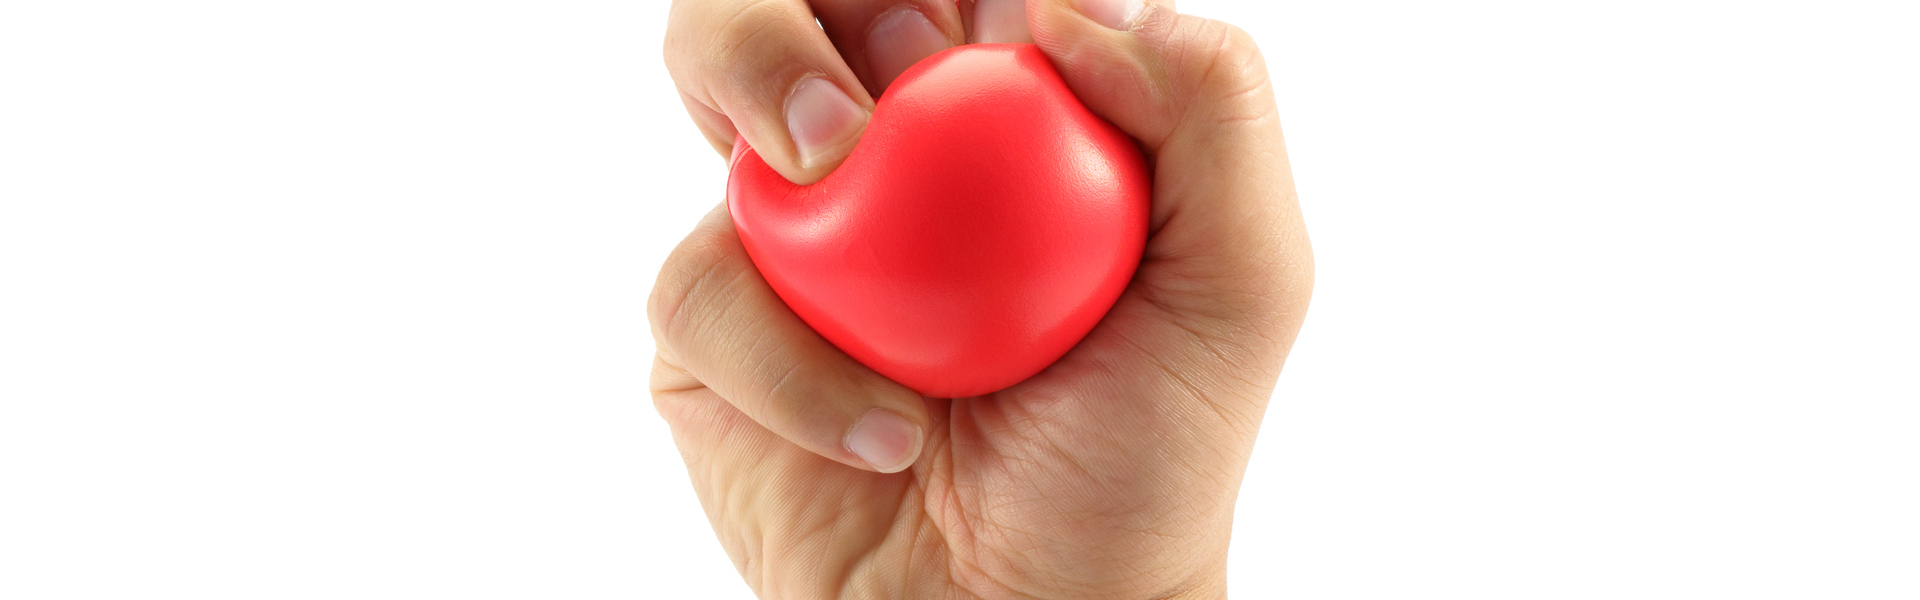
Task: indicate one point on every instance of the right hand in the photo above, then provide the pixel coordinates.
(1111, 474)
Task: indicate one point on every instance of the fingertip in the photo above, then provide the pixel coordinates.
(899, 38)
(825, 123)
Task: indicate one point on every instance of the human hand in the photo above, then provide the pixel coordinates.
(1112, 473)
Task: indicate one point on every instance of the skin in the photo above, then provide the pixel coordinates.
(1113, 473)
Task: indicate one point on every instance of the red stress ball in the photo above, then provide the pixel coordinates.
(983, 225)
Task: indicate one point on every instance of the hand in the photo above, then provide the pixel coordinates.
(1111, 474)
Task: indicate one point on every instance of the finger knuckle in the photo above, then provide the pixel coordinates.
(668, 404)
(683, 40)
(703, 49)
(1226, 67)
(780, 380)
(700, 267)
(757, 24)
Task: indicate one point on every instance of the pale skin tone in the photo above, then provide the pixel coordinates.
(1111, 474)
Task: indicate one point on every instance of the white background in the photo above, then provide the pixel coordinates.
(345, 300)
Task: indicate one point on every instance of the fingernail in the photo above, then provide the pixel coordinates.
(1115, 14)
(823, 120)
(1000, 22)
(899, 39)
(886, 440)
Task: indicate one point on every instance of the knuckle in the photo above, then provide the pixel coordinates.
(664, 407)
(672, 408)
(1225, 66)
(683, 40)
(779, 381)
(703, 46)
(777, 378)
(1236, 64)
(757, 24)
(700, 264)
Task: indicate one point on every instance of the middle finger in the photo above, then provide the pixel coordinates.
(879, 39)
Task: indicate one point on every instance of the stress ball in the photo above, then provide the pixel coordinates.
(985, 222)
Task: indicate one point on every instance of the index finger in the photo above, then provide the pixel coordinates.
(768, 68)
